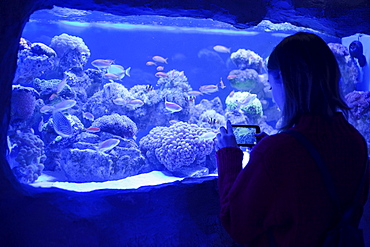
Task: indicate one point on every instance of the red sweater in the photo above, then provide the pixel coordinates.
(281, 186)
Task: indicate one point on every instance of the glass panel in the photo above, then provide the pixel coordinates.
(106, 101)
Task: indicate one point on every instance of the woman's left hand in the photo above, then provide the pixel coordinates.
(226, 137)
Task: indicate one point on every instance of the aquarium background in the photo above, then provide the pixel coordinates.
(77, 117)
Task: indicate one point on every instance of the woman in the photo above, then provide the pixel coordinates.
(281, 189)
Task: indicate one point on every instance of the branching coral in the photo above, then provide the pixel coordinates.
(178, 146)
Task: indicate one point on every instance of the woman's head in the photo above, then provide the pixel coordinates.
(309, 74)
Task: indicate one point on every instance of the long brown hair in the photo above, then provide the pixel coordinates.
(310, 75)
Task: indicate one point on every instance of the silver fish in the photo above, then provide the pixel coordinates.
(66, 104)
(108, 145)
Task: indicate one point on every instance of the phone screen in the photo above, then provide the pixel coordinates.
(245, 134)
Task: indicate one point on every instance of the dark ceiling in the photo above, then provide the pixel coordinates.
(335, 17)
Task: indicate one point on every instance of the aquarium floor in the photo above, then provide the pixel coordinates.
(50, 179)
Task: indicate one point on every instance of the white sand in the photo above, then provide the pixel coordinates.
(57, 180)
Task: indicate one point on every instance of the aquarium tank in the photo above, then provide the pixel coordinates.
(104, 101)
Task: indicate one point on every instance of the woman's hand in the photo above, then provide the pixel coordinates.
(260, 136)
(226, 137)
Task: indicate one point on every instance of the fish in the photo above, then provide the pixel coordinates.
(101, 63)
(119, 101)
(92, 129)
(53, 96)
(136, 102)
(88, 116)
(194, 93)
(160, 68)
(172, 107)
(207, 89)
(61, 85)
(182, 74)
(213, 121)
(108, 145)
(173, 121)
(191, 98)
(149, 88)
(230, 77)
(222, 84)
(231, 94)
(150, 63)
(41, 125)
(46, 108)
(161, 74)
(208, 136)
(119, 70)
(221, 49)
(159, 59)
(111, 76)
(249, 99)
(62, 126)
(64, 105)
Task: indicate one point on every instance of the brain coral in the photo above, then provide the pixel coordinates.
(177, 146)
(117, 125)
(72, 52)
(23, 102)
(64, 43)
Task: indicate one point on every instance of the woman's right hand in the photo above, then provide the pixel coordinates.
(260, 136)
(226, 137)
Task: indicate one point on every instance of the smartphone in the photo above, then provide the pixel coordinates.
(245, 134)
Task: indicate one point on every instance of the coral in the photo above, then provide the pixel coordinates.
(147, 95)
(42, 49)
(82, 163)
(247, 59)
(31, 65)
(72, 52)
(359, 103)
(23, 102)
(253, 110)
(211, 119)
(27, 157)
(349, 69)
(116, 124)
(101, 103)
(24, 44)
(175, 79)
(177, 147)
(244, 80)
(247, 104)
